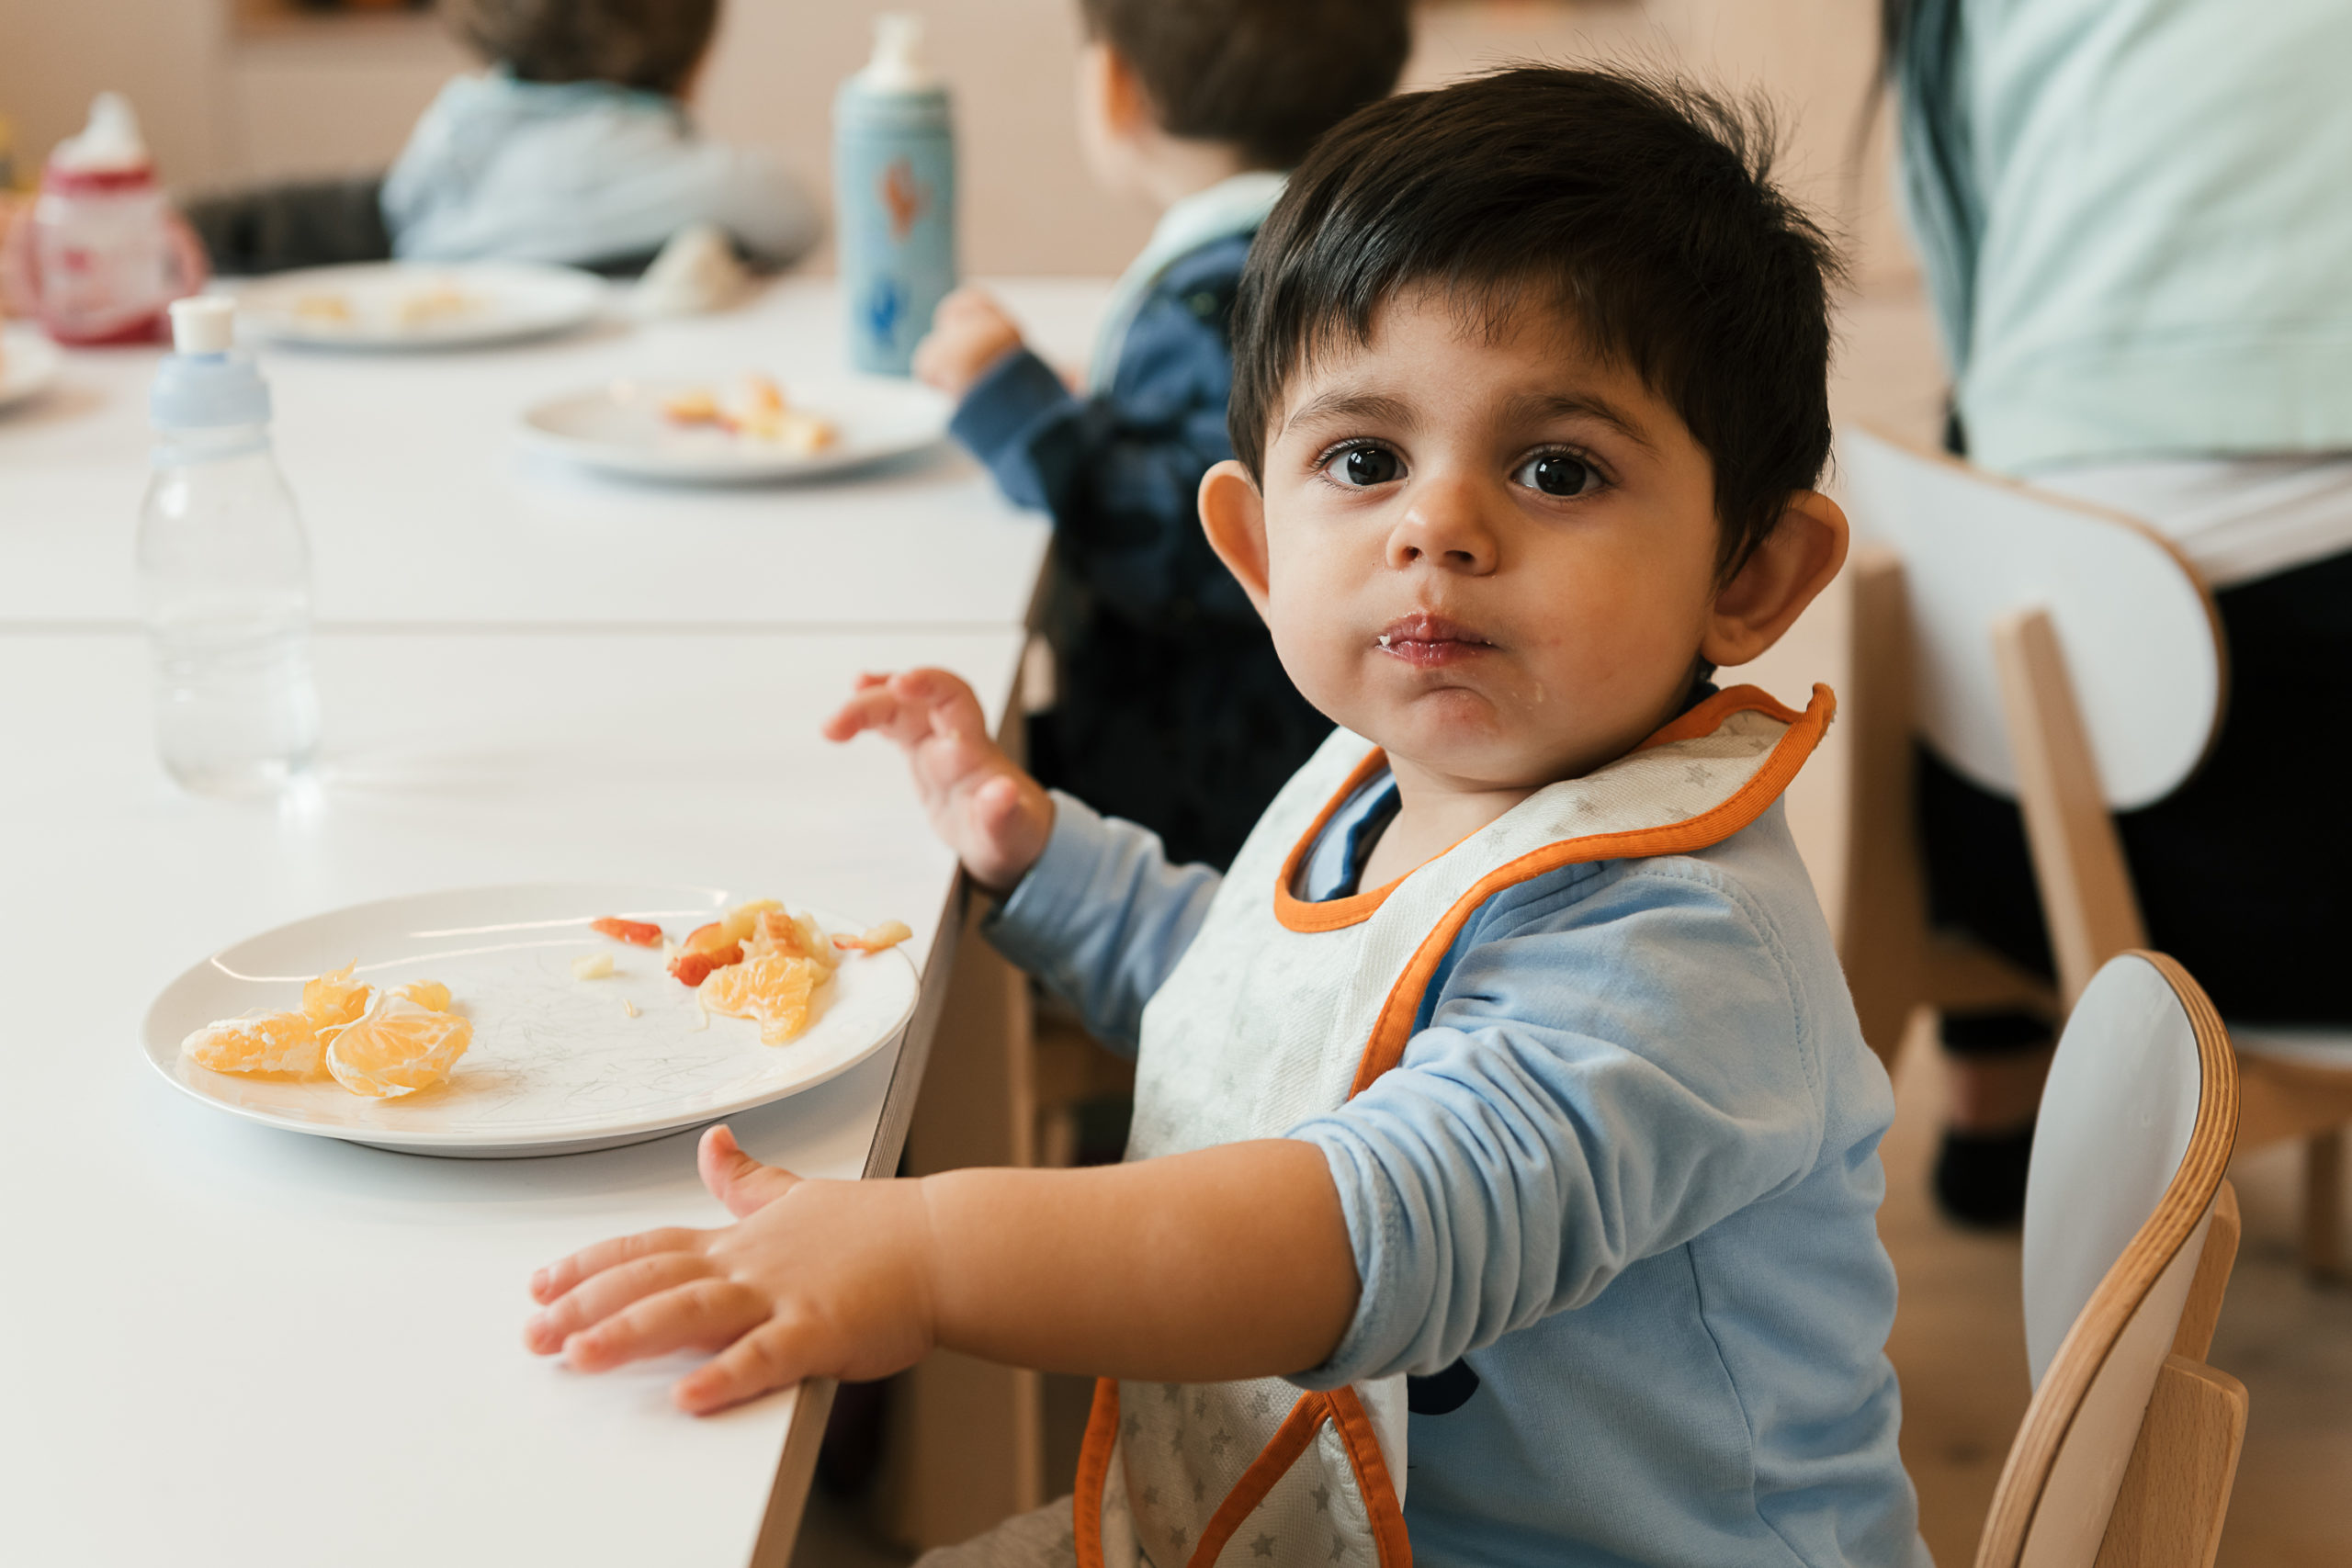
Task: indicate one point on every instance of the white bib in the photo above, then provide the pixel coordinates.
(1281, 1011)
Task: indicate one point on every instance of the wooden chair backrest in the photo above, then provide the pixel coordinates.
(2140, 638)
(2130, 1234)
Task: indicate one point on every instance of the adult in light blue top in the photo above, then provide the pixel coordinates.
(2136, 228)
(1615, 1213)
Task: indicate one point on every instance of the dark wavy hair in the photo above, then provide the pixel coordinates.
(650, 44)
(1643, 207)
(1268, 76)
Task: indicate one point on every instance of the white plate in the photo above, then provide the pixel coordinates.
(391, 305)
(620, 429)
(28, 362)
(556, 1065)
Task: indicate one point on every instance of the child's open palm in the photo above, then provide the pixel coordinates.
(995, 817)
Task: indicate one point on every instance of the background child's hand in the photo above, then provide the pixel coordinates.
(969, 334)
(816, 1278)
(995, 817)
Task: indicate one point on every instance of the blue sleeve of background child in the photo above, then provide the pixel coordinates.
(1102, 917)
(1120, 474)
(1606, 1074)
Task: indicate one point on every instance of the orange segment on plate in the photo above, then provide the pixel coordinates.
(277, 1043)
(333, 1000)
(769, 987)
(430, 995)
(397, 1048)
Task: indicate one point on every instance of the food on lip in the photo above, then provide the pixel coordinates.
(756, 410)
(594, 966)
(397, 1048)
(637, 933)
(378, 1043)
(880, 939)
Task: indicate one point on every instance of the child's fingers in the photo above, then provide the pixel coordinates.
(874, 708)
(700, 1314)
(735, 1179)
(557, 1278)
(605, 1294)
(768, 1357)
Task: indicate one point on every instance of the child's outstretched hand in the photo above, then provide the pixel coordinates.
(815, 1279)
(970, 333)
(995, 817)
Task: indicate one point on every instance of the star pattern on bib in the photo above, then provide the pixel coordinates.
(1322, 1495)
(1262, 1546)
(1338, 1549)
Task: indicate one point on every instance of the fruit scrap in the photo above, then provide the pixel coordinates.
(697, 406)
(332, 1000)
(431, 995)
(713, 937)
(881, 938)
(637, 934)
(693, 966)
(397, 1048)
(276, 1043)
(770, 986)
(594, 966)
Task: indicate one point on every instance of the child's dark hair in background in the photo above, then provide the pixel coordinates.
(1665, 239)
(1171, 709)
(652, 45)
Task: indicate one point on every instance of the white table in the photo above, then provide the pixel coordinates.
(238, 1345)
(424, 508)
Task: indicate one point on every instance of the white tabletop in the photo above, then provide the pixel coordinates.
(424, 508)
(233, 1345)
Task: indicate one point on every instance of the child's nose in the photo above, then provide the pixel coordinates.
(1445, 527)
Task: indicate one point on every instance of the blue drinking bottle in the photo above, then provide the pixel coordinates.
(894, 189)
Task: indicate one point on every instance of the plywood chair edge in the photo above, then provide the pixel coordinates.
(2195, 1189)
(2112, 518)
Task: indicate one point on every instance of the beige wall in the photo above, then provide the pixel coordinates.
(224, 103)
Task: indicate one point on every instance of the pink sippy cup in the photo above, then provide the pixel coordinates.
(102, 253)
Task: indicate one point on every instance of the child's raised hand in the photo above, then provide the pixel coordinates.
(815, 1279)
(970, 333)
(995, 817)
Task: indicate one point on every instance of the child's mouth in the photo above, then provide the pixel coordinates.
(1428, 641)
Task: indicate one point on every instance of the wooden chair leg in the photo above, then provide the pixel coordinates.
(2324, 1205)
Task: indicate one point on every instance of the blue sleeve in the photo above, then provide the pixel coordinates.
(1102, 917)
(1604, 1078)
(1120, 475)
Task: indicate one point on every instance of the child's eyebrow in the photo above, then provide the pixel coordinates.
(1537, 406)
(1341, 403)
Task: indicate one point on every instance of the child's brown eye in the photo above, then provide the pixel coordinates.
(1368, 465)
(1556, 473)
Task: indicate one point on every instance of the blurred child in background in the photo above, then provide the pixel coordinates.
(1170, 709)
(573, 146)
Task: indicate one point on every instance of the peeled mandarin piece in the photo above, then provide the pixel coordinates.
(431, 995)
(333, 1000)
(771, 989)
(743, 919)
(276, 1043)
(881, 938)
(397, 1048)
(711, 938)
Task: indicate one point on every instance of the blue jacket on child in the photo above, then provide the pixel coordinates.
(1172, 710)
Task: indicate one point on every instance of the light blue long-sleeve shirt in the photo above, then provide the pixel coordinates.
(578, 172)
(1626, 1175)
(2135, 222)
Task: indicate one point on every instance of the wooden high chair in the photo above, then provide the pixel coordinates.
(2068, 657)
(2128, 1451)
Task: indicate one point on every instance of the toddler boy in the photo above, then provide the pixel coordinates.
(1170, 707)
(1501, 1113)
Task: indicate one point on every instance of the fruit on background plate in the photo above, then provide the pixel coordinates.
(398, 1047)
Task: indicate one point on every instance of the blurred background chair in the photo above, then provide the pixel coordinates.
(2128, 1453)
(2069, 659)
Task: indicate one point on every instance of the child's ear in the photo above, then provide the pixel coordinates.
(1114, 90)
(1787, 570)
(1233, 515)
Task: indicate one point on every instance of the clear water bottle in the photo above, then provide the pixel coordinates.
(224, 573)
(894, 191)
